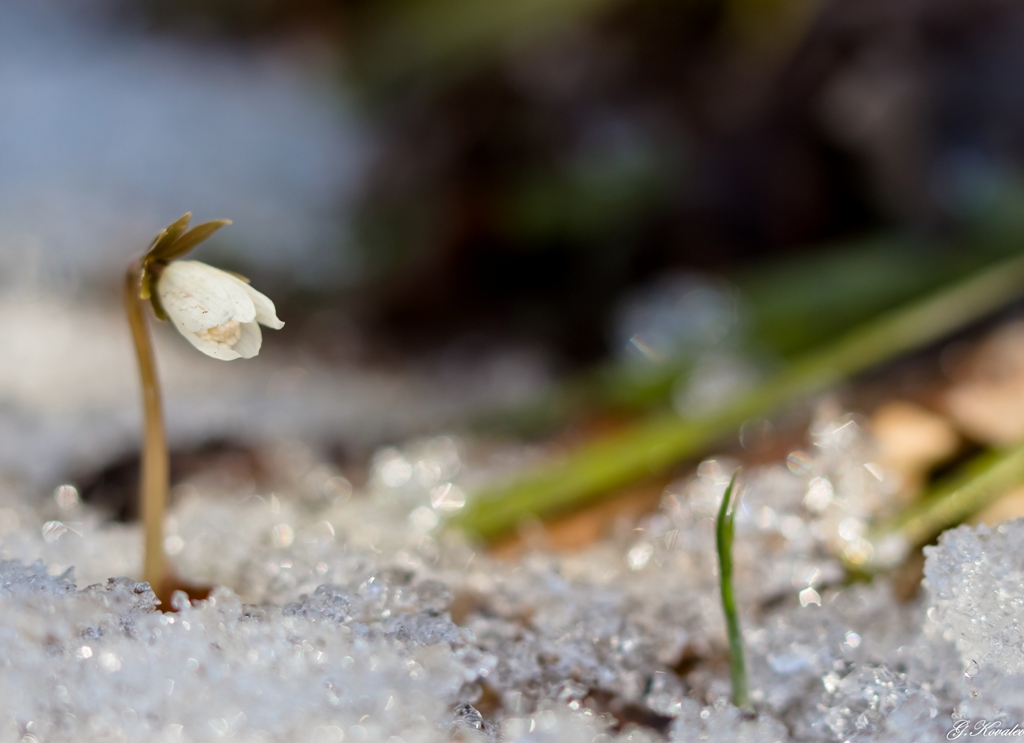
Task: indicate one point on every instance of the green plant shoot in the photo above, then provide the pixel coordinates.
(724, 528)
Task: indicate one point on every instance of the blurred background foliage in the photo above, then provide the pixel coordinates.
(532, 163)
(539, 158)
(559, 211)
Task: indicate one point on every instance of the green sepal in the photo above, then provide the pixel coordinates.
(147, 288)
(165, 239)
(172, 243)
(187, 242)
(146, 280)
(158, 308)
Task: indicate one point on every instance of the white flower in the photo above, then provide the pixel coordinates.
(216, 311)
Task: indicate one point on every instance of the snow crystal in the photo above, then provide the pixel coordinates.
(372, 622)
(975, 579)
(723, 722)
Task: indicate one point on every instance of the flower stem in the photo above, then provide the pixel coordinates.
(153, 482)
(724, 528)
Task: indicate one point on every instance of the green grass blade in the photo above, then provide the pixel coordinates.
(655, 445)
(787, 307)
(724, 530)
(982, 481)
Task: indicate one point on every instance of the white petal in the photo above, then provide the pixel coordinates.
(220, 351)
(266, 313)
(198, 297)
(249, 344)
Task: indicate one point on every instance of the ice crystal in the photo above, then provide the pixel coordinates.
(356, 616)
(975, 579)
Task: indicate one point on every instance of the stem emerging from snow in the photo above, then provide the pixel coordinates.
(724, 528)
(155, 467)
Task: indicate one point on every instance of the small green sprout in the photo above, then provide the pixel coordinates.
(218, 313)
(724, 527)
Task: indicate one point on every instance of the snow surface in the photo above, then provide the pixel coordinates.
(344, 616)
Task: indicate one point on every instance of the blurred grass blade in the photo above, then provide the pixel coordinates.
(787, 308)
(982, 481)
(655, 445)
(725, 527)
(803, 302)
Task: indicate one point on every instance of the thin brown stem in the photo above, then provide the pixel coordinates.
(153, 482)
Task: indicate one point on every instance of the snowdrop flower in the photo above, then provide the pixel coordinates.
(217, 312)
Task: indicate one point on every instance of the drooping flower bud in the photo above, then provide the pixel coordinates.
(217, 312)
